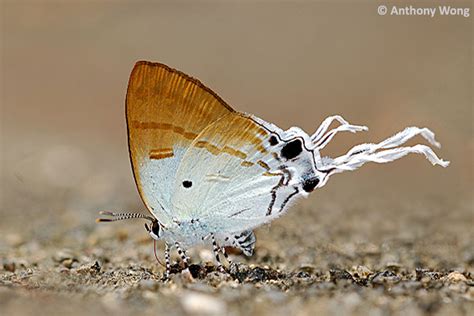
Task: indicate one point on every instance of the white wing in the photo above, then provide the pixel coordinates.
(241, 172)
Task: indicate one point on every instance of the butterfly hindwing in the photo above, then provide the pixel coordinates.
(166, 110)
(241, 172)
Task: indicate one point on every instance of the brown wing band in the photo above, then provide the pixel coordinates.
(161, 153)
(216, 150)
(164, 126)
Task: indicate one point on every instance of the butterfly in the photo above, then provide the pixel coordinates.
(211, 175)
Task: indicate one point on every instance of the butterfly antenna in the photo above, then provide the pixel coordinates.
(113, 217)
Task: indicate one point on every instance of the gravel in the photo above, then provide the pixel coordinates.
(110, 268)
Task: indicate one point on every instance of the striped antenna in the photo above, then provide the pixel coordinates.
(121, 216)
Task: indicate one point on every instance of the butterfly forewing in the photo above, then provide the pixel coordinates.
(166, 110)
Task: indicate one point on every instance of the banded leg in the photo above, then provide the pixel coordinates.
(167, 261)
(183, 255)
(215, 249)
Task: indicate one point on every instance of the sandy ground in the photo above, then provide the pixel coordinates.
(108, 270)
(386, 239)
(325, 256)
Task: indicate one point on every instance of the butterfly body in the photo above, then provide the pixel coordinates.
(209, 174)
(186, 232)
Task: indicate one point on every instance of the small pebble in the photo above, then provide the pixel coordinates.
(68, 263)
(361, 272)
(9, 266)
(386, 276)
(455, 277)
(14, 240)
(197, 303)
(63, 254)
(186, 275)
(89, 268)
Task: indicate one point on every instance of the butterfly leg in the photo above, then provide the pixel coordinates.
(226, 256)
(216, 248)
(182, 253)
(167, 261)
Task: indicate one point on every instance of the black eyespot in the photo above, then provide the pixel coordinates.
(310, 184)
(273, 140)
(292, 149)
(187, 183)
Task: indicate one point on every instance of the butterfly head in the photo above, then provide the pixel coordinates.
(154, 229)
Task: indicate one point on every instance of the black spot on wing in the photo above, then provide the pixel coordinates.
(292, 149)
(273, 140)
(310, 184)
(187, 183)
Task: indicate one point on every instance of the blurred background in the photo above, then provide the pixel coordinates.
(65, 67)
(64, 72)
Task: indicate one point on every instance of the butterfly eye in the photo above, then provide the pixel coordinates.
(292, 149)
(187, 184)
(155, 228)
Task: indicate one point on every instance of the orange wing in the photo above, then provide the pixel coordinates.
(166, 110)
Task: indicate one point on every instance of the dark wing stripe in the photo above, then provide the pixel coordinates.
(160, 154)
(247, 163)
(164, 126)
(282, 207)
(213, 149)
(274, 194)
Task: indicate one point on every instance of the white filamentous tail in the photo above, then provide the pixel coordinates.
(385, 151)
(320, 138)
(360, 154)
